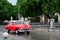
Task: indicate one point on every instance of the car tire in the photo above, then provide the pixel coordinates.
(8, 31)
(28, 32)
(16, 31)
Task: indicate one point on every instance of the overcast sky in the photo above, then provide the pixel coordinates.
(13, 2)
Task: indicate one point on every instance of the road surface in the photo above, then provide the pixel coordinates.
(45, 34)
(36, 34)
(13, 36)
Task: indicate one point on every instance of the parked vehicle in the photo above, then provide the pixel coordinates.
(18, 26)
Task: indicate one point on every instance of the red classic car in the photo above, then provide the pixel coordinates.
(18, 27)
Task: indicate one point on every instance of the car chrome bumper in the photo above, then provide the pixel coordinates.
(24, 30)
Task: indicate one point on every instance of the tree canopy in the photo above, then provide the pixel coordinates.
(6, 10)
(31, 8)
(34, 8)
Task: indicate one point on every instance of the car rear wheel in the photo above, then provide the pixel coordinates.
(8, 31)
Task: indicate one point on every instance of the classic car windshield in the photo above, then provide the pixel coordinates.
(19, 22)
(16, 22)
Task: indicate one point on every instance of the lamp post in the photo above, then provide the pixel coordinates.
(18, 12)
(51, 8)
(51, 13)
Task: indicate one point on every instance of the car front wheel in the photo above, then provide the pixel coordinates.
(17, 32)
(28, 32)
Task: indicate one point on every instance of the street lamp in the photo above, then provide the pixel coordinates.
(51, 13)
(51, 8)
(18, 12)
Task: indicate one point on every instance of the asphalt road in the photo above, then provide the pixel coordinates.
(36, 34)
(13, 36)
(44, 34)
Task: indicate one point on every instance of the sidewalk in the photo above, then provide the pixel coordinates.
(2, 26)
(50, 31)
(45, 25)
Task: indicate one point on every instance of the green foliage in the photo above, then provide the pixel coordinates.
(35, 19)
(56, 18)
(34, 8)
(6, 10)
(31, 8)
(58, 6)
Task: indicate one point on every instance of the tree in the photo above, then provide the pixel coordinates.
(30, 8)
(6, 10)
(35, 8)
(58, 6)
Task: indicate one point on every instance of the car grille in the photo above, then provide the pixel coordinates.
(25, 29)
